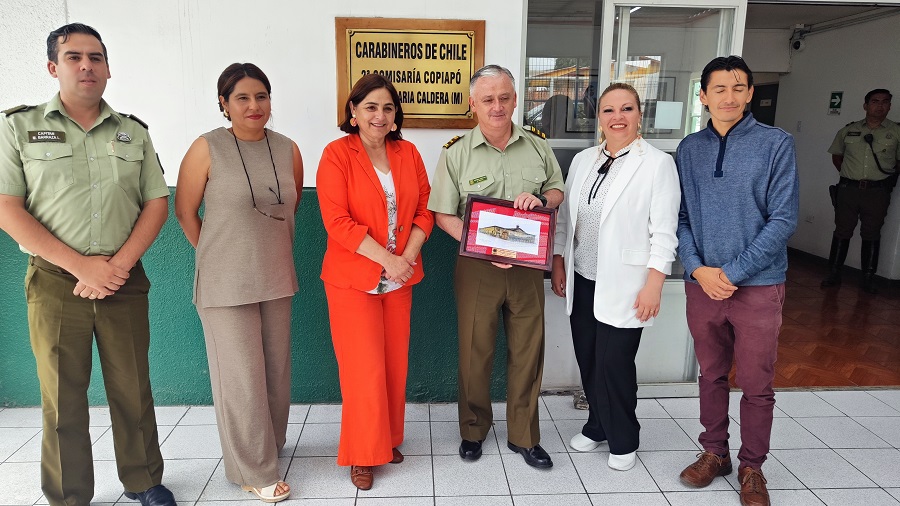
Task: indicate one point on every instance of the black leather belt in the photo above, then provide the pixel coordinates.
(863, 184)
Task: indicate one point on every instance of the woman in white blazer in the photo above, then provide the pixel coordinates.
(616, 233)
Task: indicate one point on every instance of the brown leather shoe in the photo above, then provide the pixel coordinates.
(708, 466)
(753, 487)
(361, 476)
(398, 457)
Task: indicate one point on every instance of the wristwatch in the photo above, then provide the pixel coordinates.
(542, 198)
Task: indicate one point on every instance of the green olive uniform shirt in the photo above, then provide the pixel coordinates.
(86, 188)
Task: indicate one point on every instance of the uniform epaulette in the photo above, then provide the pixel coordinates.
(535, 131)
(18, 108)
(452, 141)
(848, 124)
(136, 119)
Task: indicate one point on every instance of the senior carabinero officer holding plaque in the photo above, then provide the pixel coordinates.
(82, 191)
(502, 160)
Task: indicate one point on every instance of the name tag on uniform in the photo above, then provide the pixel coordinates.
(478, 180)
(46, 136)
(854, 134)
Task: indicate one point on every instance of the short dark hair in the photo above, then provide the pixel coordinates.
(234, 73)
(64, 32)
(728, 63)
(878, 91)
(367, 84)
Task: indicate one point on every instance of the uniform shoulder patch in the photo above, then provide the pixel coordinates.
(137, 120)
(452, 141)
(535, 131)
(18, 108)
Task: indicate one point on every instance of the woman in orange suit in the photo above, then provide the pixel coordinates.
(373, 192)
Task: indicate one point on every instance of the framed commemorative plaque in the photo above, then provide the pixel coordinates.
(495, 231)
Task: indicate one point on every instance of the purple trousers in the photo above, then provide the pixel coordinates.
(743, 327)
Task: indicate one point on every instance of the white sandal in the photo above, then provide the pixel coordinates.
(267, 494)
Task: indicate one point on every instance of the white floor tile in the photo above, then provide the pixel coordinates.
(192, 442)
(867, 496)
(99, 416)
(543, 412)
(650, 408)
(21, 418)
(794, 498)
(456, 477)
(483, 500)
(665, 467)
(13, 439)
(412, 477)
(324, 413)
(319, 440)
(894, 492)
(822, 469)
(664, 434)
(643, 499)
(561, 407)
(524, 479)
(887, 428)
(20, 483)
(841, 432)
(444, 412)
(170, 415)
(31, 451)
(199, 415)
(417, 413)
(881, 466)
(416, 439)
(889, 397)
(684, 407)
(394, 501)
(297, 413)
(187, 478)
(290, 440)
(543, 500)
(703, 497)
(599, 478)
(218, 488)
(857, 403)
(319, 477)
(787, 434)
(104, 448)
(803, 404)
(498, 409)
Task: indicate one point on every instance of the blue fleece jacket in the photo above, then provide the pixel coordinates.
(739, 201)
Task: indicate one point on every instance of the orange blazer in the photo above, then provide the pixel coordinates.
(353, 204)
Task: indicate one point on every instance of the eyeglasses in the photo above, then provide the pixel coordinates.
(278, 206)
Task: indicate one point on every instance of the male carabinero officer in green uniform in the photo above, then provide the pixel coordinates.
(502, 160)
(82, 191)
(866, 153)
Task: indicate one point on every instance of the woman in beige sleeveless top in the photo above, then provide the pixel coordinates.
(249, 179)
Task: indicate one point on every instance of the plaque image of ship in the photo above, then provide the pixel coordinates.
(509, 234)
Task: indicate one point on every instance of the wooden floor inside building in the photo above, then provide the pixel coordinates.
(836, 337)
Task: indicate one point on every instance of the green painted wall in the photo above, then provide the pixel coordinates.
(179, 371)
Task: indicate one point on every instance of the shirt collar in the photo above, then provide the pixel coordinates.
(55, 105)
(478, 137)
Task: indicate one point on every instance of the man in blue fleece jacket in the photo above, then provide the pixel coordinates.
(738, 209)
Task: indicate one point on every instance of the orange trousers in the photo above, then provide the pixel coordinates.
(371, 342)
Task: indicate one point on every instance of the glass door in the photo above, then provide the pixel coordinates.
(660, 48)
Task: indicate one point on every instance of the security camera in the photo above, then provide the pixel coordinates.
(798, 44)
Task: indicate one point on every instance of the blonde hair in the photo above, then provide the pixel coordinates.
(624, 87)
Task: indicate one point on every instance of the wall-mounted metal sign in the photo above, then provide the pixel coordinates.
(429, 61)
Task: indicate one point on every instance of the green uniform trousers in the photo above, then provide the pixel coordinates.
(62, 327)
(482, 291)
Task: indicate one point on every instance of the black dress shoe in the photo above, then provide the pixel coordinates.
(534, 456)
(470, 450)
(154, 496)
